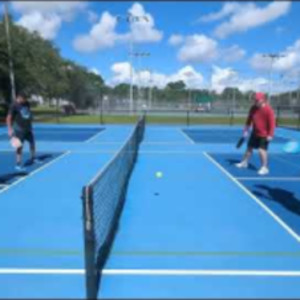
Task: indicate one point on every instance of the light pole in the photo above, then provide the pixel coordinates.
(189, 74)
(10, 62)
(273, 57)
(130, 19)
(234, 87)
(139, 55)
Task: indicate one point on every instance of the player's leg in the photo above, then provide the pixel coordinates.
(263, 154)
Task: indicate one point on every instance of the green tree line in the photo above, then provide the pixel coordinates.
(40, 70)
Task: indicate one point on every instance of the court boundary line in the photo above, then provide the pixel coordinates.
(268, 178)
(156, 272)
(187, 137)
(200, 152)
(253, 197)
(35, 172)
(94, 136)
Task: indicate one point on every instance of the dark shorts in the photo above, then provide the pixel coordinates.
(257, 142)
(25, 136)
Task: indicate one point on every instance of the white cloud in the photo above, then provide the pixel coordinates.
(222, 78)
(121, 74)
(92, 17)
(46, 17)
(102, 35)
(46, 26)
(228, 9)
(144, 30)
(94, 71)
(189, 76)
(176, 39)
(198, 48)
(289, 61)
(249, 16)
(233, 53)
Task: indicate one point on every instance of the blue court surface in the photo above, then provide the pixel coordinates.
(62, 134)
(215, 135)
(205, 229)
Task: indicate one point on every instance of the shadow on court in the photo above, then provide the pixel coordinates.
(42, 158)
(286, 198)
(9, 176)
(6, 178)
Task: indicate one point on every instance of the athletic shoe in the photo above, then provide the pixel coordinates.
(20, 168)
(263, 171)
(242, 164)
(34, 161)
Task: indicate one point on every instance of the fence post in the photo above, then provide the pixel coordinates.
(231, 116)
(277, 115)
(298, 124)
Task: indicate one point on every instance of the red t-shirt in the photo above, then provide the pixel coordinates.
(262, 119)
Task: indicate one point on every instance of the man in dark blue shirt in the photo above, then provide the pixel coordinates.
(19, 123)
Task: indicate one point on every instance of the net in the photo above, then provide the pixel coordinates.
(103, 199)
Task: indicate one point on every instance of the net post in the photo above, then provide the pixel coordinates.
(188, 118)
(231, 118)
(89, 243)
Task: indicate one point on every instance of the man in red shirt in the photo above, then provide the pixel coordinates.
(261, 118)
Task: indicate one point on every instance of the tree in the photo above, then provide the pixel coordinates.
(177, 85)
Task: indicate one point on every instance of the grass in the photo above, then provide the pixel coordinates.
(43, 110)
(127, 119)
(45, 115)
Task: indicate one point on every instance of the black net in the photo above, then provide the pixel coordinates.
(103, 200)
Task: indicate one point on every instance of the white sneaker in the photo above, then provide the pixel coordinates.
(242, 164)
(20, 168)
(263, 171)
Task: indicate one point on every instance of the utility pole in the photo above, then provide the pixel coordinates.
(273, 57)
(10, 61)
(130, 19)
(139, 55)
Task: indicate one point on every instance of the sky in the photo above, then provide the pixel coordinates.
(206, 44)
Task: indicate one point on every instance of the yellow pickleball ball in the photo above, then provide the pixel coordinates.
(159, 174)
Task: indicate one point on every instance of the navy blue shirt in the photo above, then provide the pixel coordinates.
(21, 116)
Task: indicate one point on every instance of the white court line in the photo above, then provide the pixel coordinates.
(94, 137)
(3, 185)
(34, 172)
(186, 136)
(140, 152)
(269, 211)
(156, 272)
(164, 143)
(269, 178)
(170, 152)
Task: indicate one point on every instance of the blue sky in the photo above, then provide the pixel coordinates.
(206, 44)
